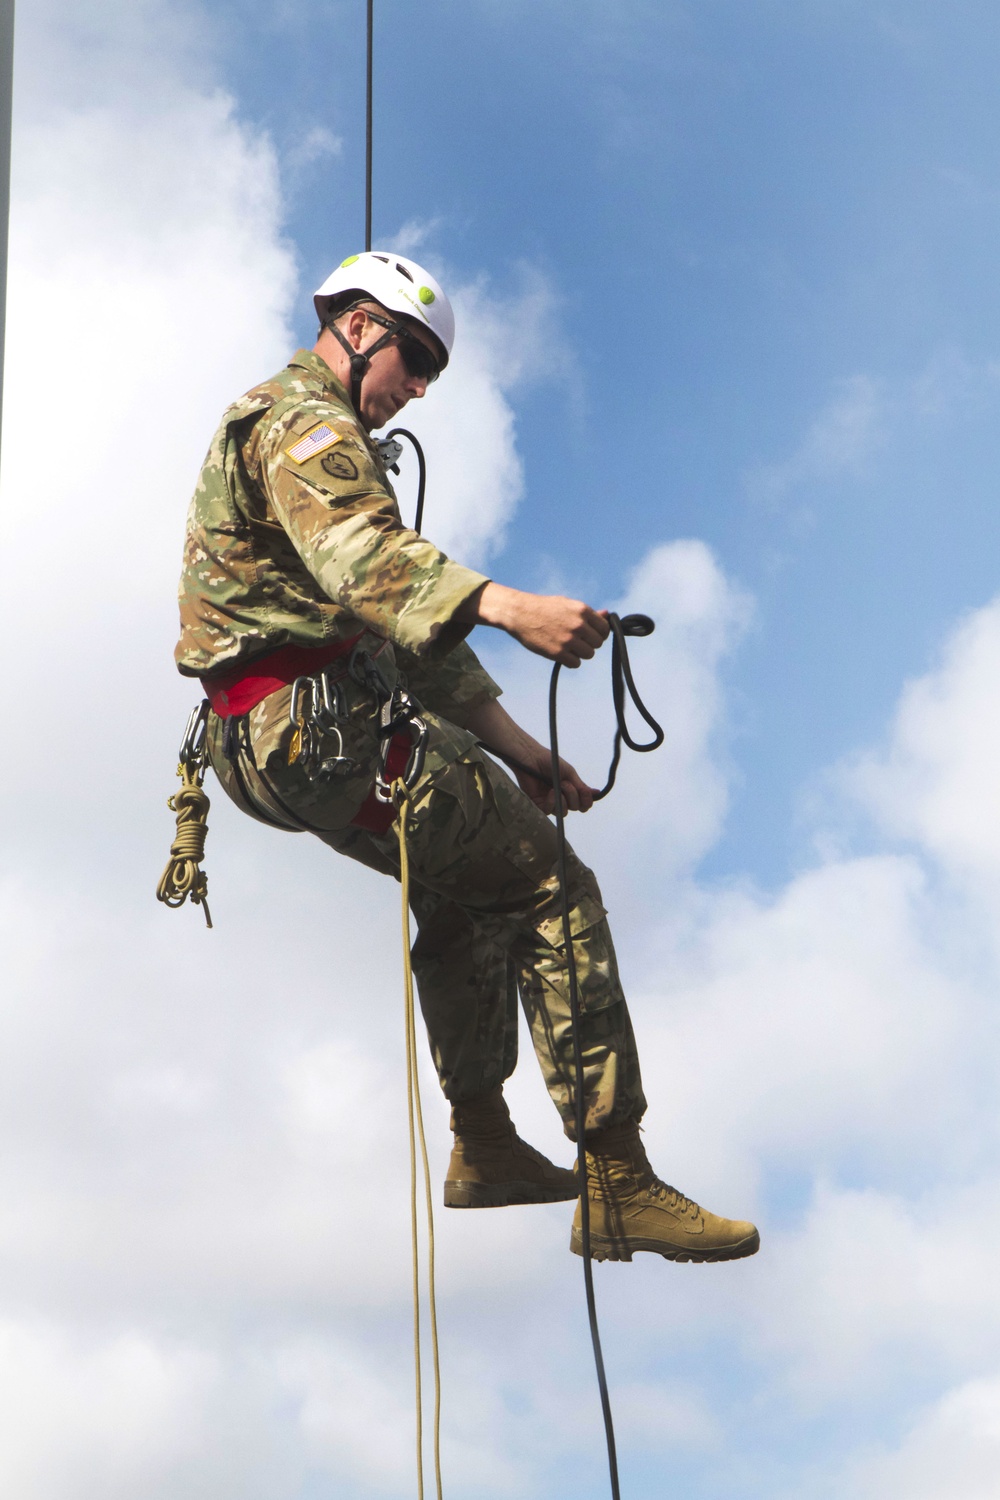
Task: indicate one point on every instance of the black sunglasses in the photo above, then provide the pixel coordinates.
(418, 359)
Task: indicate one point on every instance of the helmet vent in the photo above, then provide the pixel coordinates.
(403, 271)
(383, 258)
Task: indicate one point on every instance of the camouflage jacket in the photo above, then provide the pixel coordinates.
(294, 537)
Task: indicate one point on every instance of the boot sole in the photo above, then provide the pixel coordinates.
(602, 1247)
(504, 1194)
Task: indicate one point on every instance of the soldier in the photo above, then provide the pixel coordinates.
(330, 638)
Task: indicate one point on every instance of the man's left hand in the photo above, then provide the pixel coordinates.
(577, 796)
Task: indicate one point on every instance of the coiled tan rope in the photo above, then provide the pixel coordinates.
(183, 876)
(401, 797)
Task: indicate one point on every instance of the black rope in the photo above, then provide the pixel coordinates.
(621, 679)
(368, 131)
(622, 683)
(581, 1110)
(422, 467)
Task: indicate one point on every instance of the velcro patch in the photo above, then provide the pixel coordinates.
(316, 441)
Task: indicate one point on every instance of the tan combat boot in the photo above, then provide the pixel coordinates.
(631, 1209)
(491, 1166)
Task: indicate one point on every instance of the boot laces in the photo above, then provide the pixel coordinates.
(662, 1190)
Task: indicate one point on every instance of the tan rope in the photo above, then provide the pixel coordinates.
(400, 797)
(183, 876)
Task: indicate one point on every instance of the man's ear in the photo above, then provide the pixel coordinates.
(355, 328)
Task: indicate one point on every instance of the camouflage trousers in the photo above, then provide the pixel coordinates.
(484, 893)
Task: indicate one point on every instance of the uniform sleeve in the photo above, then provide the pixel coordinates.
(451, 686)
(344, 523)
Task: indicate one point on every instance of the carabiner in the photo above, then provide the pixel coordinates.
(193, 748)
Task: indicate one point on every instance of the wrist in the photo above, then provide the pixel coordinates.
(489, 605)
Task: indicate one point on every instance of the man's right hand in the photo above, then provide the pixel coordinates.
(564, 630)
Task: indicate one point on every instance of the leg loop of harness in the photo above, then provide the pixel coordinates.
(400, 725)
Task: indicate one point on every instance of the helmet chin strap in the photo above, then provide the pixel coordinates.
(359, 361)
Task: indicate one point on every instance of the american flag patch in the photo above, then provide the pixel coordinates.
(314, 442)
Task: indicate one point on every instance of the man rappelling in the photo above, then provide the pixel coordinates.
(330, 640)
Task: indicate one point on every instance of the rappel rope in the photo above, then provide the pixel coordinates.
(368, 124)
(400, 798)
(623, 690)
(621, 678)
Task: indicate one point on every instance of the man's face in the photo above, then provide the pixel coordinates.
(388, 384)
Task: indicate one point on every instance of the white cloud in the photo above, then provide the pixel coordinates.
(840, 440)
(413, 235)
(317, 144)
(93, 1419)
(936, 781)
(466, 423)
(954, 1451)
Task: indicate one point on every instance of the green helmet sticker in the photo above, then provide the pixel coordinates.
(349, 261)
(426, 295)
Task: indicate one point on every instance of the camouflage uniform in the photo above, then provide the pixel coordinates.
(294, 539)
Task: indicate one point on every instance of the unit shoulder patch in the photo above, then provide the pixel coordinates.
(340, 465)
(315, 441)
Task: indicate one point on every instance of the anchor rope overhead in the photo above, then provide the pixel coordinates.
(368, 126)
(622, 684)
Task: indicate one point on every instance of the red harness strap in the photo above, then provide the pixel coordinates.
(375, 816)
(236, 692)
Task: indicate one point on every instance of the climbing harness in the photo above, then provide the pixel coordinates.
(317, 712)
(183, 876)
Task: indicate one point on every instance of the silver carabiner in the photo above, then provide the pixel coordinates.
(401, 712)
(332, 708)
(192, 751)
(300, 687)
(313, 720)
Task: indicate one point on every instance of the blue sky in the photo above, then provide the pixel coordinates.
(728, 353)
(743, 211)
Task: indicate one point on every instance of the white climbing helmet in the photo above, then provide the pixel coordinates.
(400, 285)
